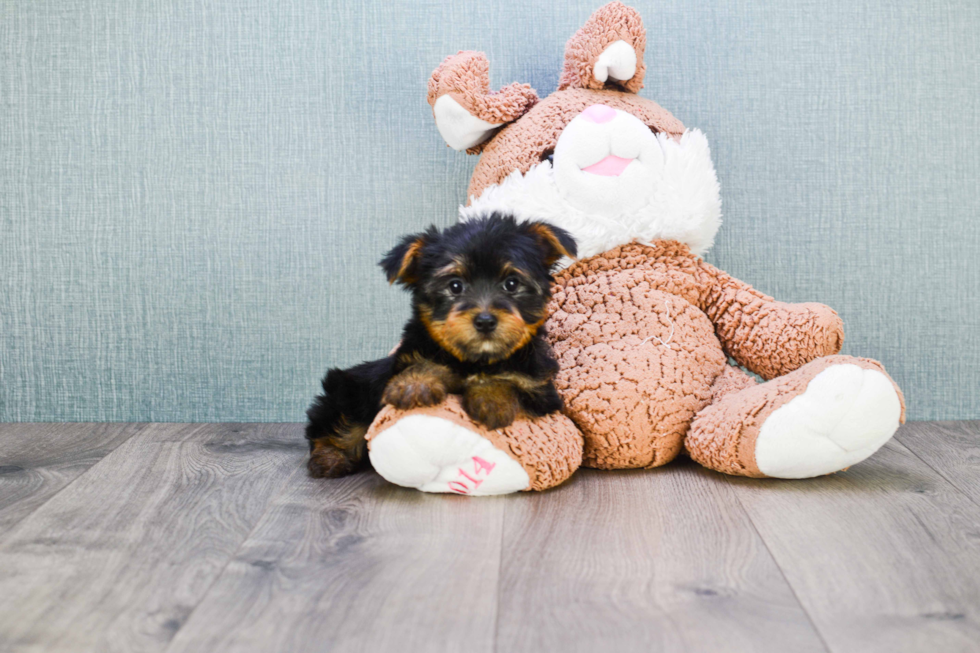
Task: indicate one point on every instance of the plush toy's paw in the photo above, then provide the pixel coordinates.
(845, 414)
(434, 454)
(440, 449)
(413, 391)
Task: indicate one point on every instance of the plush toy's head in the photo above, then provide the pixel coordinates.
(593, 157)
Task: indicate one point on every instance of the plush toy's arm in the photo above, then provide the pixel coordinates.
(767, 337)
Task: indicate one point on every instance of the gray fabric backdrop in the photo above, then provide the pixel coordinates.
(193, 194)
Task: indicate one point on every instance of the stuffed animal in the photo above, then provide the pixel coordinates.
(642, 327)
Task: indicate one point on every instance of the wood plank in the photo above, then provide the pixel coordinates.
(884, 556)
(38, 460)
(950, 448)
(357, 564)
(647, 560)
(119, 559)
(211, 537)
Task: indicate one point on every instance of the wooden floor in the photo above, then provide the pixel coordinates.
(164, 537)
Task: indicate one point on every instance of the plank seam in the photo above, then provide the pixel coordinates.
(204, 595)
(500, 573)
(140, 427)
(938, 471)
(775, 561)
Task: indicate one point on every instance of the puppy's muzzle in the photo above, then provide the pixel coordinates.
(485, 323)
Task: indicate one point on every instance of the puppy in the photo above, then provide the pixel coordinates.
(480, 291)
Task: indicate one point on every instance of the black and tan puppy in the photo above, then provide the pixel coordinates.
(480, 291)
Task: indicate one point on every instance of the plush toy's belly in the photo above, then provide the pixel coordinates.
(637, 363)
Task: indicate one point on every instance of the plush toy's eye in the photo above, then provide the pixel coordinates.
(456, 287)
(511, 284)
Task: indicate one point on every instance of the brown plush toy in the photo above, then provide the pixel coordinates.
(642, 327)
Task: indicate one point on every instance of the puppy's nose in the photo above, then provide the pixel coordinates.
(485, 322)
(599, 113)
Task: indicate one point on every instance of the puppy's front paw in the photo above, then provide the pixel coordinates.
(495, 406)
(413, 391)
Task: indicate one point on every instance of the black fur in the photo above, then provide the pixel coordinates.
(482, 256)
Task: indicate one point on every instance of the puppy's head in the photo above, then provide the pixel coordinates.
(481, 287)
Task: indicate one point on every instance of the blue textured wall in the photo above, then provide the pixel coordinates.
(193, 194)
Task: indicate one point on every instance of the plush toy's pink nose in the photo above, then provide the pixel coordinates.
(599, 113)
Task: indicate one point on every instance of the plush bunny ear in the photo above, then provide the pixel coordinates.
(465, 109)
(607, 51)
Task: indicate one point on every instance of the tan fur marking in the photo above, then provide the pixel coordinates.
(457, 335)
(509, 269)
(436, 330)
(545, 233)
(455, 269)
(520, 381)
(349, 436)
(414, 251)
(340, 453)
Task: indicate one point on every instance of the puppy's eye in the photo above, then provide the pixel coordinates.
(456, 287)
(511, 284)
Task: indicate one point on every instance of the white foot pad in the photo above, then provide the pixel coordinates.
(845, 414)
(435, 455)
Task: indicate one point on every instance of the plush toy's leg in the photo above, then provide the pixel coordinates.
(440, 449)
(828, 415)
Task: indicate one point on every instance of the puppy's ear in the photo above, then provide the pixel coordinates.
(554, 241)
(401, 263)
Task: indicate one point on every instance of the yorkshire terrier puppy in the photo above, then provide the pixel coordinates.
(480, 292)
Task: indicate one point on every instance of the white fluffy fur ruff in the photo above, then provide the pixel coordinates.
(684, 205)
